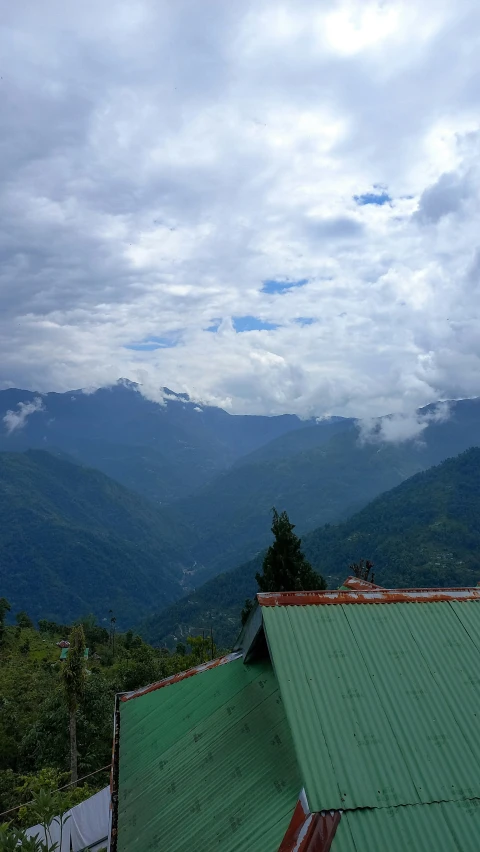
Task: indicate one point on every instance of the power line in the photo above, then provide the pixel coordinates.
(26, 804)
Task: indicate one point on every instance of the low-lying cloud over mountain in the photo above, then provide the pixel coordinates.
(271, 206)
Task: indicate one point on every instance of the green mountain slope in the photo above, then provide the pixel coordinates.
(326, 483)
(424, 532)
(73, 541)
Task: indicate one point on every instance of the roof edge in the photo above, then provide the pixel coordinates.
(250, 632)
(359, 585)
(374, 596)
(203, 667)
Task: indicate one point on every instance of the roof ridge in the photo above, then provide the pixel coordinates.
(371, 596)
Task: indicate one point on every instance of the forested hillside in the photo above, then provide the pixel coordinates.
(74, 541)
(324, 483)
(424, 532)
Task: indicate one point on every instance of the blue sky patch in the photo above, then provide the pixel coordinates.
(152, 343)
(214, 326)
(372, 198)
(274, 286)
(304, 320)
(249, 323)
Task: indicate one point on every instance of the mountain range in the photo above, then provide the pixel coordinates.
(425, 532)
(164, 451)
(199, 485)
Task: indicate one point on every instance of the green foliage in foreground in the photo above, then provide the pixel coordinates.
(424, 532)
(34, 714)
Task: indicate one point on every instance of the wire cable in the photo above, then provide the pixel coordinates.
(26, 804)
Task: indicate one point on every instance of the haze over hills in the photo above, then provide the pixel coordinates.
(424, 532)
(162, 451)
(233, 469)
(317, 482)
(73, 541)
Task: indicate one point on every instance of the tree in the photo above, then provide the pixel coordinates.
(4, 608)
(202, 648)
(285, 567)
(73, 676)
(362, 570)
(23, 620)
(94, 634)
(140, 667)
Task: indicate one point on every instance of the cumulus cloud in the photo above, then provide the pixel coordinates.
(397, 428)
(443, 197)
(162, 161)
(15, 420)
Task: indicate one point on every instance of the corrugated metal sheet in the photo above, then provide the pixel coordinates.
(375, 596)
(443, 827)
(383, 701)
(176, 678)
(357, 584)
(207, 763)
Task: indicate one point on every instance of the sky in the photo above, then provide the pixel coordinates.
(271, 206)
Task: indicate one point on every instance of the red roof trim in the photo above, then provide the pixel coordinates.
(376, 596)
(212, 664)
(360, 585)
(315, 834)
(297, 822)
(321, 832)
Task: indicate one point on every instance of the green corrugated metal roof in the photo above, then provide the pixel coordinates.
(64, 653)
(383, 700)
(207, 763)
(441, 827)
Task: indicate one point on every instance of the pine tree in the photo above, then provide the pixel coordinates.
(73, 676)
(285, 568)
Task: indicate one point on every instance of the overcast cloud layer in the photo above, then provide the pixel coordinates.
(272, 206)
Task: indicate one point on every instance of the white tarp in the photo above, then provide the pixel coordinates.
(86, 828)
(89, 821)
(53, 835)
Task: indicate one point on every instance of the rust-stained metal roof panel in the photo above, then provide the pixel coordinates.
(207, 762)
(439, 827)
(383, 701)
(372, 596)
(358, 584)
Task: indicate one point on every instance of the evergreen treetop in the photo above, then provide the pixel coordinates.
(285, 568)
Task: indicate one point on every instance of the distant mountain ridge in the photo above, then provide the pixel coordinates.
(162, 451)
(214, 477)
(424, 532)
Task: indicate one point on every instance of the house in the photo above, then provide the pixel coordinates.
(64, 654)
(344, 720)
